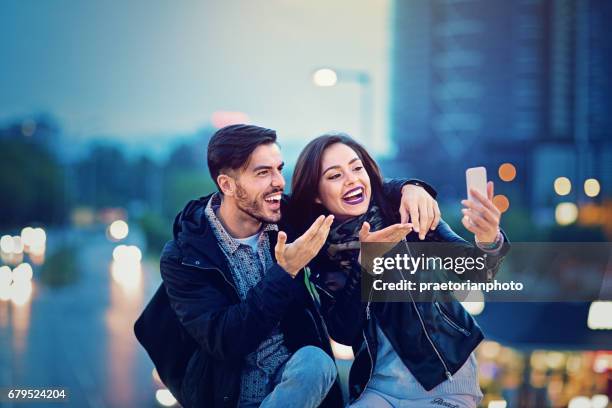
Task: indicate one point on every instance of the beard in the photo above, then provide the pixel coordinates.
(253, 206)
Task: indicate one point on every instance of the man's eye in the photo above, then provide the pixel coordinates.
(262, 173)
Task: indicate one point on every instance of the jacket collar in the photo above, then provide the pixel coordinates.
(196, 238)
(228, 244)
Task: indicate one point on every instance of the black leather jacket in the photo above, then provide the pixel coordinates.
(433, 339)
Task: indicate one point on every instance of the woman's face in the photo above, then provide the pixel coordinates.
(344, 187)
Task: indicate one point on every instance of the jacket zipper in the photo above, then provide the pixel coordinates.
(214, 269)
(365, 339)
(450, 322)
(447, 371)
(315, 326)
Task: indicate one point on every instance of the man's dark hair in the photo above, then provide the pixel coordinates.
(230, 147)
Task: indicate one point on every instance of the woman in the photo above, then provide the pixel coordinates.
(410, 354)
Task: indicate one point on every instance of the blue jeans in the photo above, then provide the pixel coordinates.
(374, 399)
(303, 382)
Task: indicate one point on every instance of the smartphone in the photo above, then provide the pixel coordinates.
(476, 179)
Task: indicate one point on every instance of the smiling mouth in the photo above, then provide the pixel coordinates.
(274, 198)
(354, 196)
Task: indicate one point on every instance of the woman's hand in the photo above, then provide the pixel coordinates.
(392, 234)
(386, 238)
(421, 208)
(481, 217)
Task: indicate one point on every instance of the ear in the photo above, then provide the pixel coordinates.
(226, 184)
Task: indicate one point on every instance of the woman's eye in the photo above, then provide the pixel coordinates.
(358, 168)
(334, 176)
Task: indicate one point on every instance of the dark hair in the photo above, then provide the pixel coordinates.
(307, 173)
(230, 147)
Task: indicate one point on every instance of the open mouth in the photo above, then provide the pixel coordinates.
(354, 196)
(273, 200)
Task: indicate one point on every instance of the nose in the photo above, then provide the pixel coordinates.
(278, 181)
(351, 178)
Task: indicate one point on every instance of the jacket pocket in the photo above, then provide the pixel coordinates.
(449, 320)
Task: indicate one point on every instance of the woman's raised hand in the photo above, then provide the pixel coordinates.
(392, 234)
(480, 216)
(387, 238)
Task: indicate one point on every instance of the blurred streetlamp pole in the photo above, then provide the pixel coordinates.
(327, 77)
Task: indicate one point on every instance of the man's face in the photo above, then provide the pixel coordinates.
(260, 185)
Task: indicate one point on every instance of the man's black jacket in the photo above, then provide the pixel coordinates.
(197, 331)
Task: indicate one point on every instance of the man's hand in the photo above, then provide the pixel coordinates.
(293, 257)
(418, 206)
(481, 217)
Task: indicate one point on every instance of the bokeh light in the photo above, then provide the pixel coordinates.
(474, 302)
(22, 273)
(563, 186)
(566, 213)
(325, 77)
(165, 398)
(7, 244)
(6, 275)
(27, 237)
(127, 254)
(507, 172)
(21, 292)
(501, 202)
(599, 401)
(17, 245)
(600, 316)
(580, 402)
(118, 230)
(6, 278)
(592, 187)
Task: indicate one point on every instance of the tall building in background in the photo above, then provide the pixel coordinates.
(479, 82)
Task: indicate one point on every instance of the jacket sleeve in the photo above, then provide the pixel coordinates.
(226, 330)
(341, 304)
(392, 188)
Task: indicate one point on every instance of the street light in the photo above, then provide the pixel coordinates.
(327, 77)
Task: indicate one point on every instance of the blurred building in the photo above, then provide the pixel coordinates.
(478, 82)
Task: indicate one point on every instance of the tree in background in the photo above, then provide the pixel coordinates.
(32, 182)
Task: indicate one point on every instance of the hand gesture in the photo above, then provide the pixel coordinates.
(386, 238)
(392, 234)
(421, 208)
(296, 255)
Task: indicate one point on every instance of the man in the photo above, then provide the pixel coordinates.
(245, 330)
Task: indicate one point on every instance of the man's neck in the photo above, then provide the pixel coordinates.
(236, 222)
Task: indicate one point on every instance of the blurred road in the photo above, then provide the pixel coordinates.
(80, 337)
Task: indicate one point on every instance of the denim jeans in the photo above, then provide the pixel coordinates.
(374, 399)
(303, 382)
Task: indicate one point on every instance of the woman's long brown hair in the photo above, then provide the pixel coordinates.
(307, 173)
